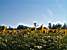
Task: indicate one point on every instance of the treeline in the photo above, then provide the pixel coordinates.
(10, 28)
(57, 26)
(50, 26)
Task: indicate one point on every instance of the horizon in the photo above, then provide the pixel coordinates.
(26, 12)
(38, 25)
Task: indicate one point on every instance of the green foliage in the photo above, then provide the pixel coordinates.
(64, 26)
(2, 27)
(50, 25)
(22, 27)
(57, 26)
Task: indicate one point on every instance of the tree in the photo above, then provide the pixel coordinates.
(2, 27)
(59, 26)
(22, 27)
(54, 26)
(35, 25)
(64, 26)
(10, 28)
(49, 25)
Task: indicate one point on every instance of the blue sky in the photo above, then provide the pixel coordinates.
(13, 12)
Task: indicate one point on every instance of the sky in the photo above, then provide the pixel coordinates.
(15, 12)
